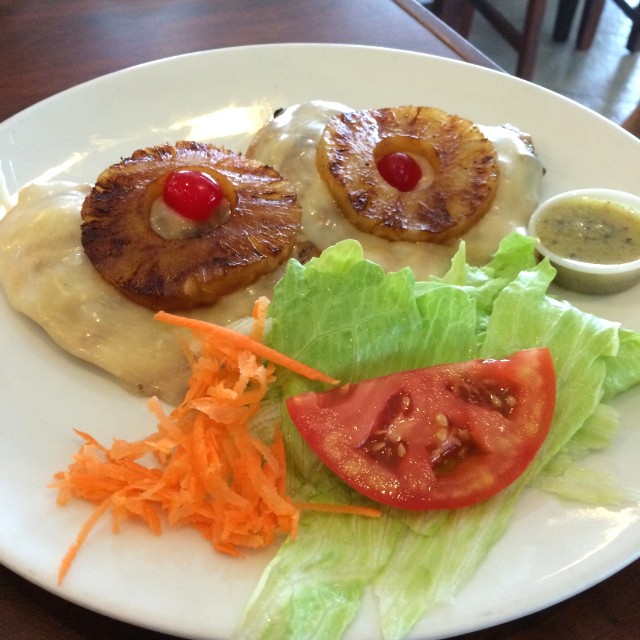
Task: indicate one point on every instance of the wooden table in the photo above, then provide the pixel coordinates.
(49, 45)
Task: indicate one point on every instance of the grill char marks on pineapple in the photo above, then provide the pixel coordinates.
(178, 274)
(441, 207)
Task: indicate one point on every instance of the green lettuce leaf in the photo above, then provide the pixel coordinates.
(346, 316)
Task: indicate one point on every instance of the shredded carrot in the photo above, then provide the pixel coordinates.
(242, 341)
(82, 536)
(343, 509)
(202, 467)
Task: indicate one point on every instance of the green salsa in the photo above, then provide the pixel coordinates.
(591, 230)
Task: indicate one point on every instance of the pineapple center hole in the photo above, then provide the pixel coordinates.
(172, 226)
(405, 163)
(428, 173)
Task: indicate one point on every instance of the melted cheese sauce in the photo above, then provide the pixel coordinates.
(47, 276)
(169, 224)
(288, 143)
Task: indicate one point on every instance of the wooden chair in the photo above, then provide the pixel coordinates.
(590, 19)
(459, 15)
(632, 122)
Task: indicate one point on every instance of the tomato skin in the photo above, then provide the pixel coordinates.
(442, 437)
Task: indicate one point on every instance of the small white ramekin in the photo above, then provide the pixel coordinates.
(587, 277)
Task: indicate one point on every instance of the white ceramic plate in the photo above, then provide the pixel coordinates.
(176, 583)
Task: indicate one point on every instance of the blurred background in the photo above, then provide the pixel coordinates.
(605, 77)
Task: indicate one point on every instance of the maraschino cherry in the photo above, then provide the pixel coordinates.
(400, 170)
(195, 195)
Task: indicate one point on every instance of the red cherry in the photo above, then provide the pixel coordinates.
(193, 194)
(400, 170)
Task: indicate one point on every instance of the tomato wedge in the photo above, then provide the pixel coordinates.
(442, 437)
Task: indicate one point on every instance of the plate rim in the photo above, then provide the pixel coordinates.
(25, 113)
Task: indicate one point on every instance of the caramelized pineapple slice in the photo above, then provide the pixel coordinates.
(181, 273)
(455, 191)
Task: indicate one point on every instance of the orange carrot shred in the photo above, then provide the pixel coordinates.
(82, 536)
(242, 341)
(202, 467)
(259, 315)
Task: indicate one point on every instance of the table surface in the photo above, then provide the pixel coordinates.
(47, 46)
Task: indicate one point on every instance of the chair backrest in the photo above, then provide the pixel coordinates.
(632, 123)
(525, 39)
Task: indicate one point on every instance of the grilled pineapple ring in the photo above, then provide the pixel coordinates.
(173, 274)
(464, 163)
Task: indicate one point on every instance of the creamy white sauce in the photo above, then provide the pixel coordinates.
(288, 143)
(47, 276)
(169, 224)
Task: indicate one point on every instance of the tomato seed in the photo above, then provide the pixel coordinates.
(442, 420)
(442, 435)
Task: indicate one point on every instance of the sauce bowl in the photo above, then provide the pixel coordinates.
(592, 238)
